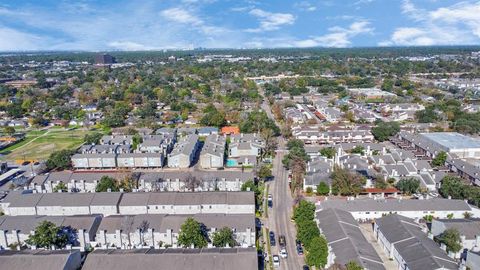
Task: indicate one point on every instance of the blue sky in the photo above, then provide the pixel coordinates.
(164, 24)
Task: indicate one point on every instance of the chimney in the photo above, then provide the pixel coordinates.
(82, 240)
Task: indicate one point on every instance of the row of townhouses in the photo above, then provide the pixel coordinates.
(114, 203)
(86, 181)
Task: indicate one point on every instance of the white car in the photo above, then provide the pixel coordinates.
(283, 253)
(276, 261)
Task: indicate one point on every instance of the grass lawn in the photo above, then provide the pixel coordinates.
(38, 145)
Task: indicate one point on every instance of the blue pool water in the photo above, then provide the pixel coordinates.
(231, 163)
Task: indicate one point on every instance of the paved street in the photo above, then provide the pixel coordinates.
(279, 216)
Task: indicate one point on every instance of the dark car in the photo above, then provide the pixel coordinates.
(281, 241)
(299, 249)
(272, 238)
(305, 267)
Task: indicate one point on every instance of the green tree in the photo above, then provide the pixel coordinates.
(408, 186)
(9, 130)
(346, 183)
(106, 183)
(92, 138)
(223, 237)
(454, 187)
(323, 189)
(383, 130)
(60, 186)
(451, 238)
(440, 159)
(264, 172)
(328, 152)
(192, 233)
(304, 211)
(318, 252)
(352, 265)
(59, 160)
(358, 150)
(47, 234)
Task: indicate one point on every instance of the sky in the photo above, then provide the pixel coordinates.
(102, 25)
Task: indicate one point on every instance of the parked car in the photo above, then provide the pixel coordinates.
(272, 239)
(305, 267)
(283, 253)
(276, 261)
(299, 250)
(270, 200)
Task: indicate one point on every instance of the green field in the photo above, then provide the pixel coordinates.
(39, 144)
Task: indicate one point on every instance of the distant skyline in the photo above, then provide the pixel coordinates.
(185, 24)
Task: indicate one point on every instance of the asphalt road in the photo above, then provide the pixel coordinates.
(279, 216)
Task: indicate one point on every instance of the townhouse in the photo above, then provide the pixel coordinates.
(346, 243)
(112, 203)
(370, 209)
(15, 230)
(469, 230)
(406, 242)
(40, 259)
(162, 230)
(165, 259)
(212, 155)
(184, 152)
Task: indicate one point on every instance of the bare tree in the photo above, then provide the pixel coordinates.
(143, 227)
(192, 182)
(127, 225)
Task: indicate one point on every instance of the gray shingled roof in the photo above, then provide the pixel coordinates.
(417, 250)
(37, 259)
(470, 228)
(347, 241)
(161, 222)
(387, 205)
(186, 259)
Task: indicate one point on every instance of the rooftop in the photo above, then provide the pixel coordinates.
(452, 141)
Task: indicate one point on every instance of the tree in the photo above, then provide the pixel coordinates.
(92, 138)
(192, 182)
(358, 150)
(440, 159)
(9, 130)
(192, 233)
(47, 234)
(328, 152)
(346, 183)
(453, 187)
(304, 211)
(323, 189)
(408, 186)
(107, 183)
(264, 172)
(224, 237)
(451, 238)
(59, 160)
(383, 130)
(60, 187)
(318, 252)
(352, 265)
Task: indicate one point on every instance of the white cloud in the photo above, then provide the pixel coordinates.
(457, 24)
(181, 16)
(270, 21)
(130, 46)
(305, 6)
(13, 40)
(337, 37)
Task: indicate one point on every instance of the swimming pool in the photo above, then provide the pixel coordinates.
(231, 163)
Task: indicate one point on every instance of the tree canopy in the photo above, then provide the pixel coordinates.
(346, 183)
(193, 233)
(224, 237)
(384, 130)
(47, 234)
(408, 186)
